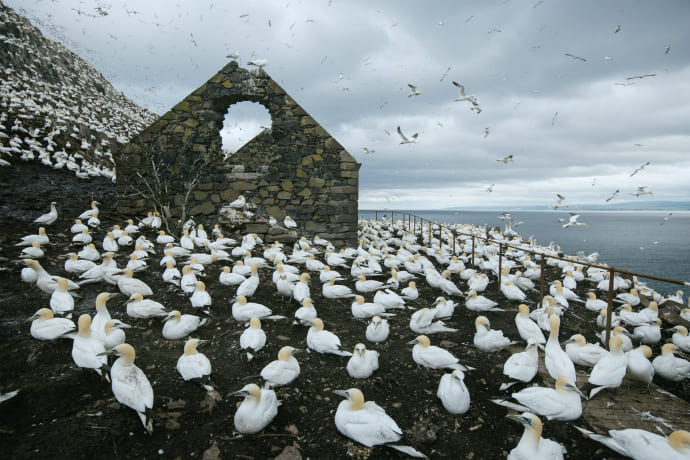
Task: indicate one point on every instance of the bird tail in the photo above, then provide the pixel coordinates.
(409, 450)
(461, 367)
(510, 405)
(341, 353)
(605, 440)
(146, 420)
(275, 317)
(596, 390)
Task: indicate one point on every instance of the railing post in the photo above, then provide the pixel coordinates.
(500, 259)
(376, 216)
(609, 308)
(454, 253)
(473, 250)
(541, 282)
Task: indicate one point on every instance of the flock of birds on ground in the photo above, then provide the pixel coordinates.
(387, 250)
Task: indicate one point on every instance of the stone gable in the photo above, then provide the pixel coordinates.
(294, 168)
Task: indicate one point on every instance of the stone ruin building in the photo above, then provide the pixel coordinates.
(295, 168)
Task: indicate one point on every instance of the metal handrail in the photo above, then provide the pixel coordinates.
(611, 270)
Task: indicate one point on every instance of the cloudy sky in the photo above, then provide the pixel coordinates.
(577, 125)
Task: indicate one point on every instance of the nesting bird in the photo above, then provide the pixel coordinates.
(44, 326)
(130, 385)
(453, 393)
(178, 326)
(377, 330)
(363, 362)
(259, 407)
(283, 370)
(487, 339)
(323, 341)
(563, 402)
(193, 365)
(524, 365)
(532, 445)
(427, 355)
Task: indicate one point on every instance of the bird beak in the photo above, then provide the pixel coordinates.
(122, 325)
(112, 351)
(31, 318)
(520, 419)
(342, 393)
(412, 342)
(576, 390)
(240, 393)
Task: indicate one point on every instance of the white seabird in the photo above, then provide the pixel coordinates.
(46, 327)
(523, 365)
(259, 407)
(669, 366)
(48, 218)
(644, 445)
(323, 341)
(422, 322)
(178, 326)
(87, 350)
(487, 339)
(363, 362)
(377, 330)
(532, 446)
(556, 360)
(453, 393)
(138, 307)
(130, 385)
(582, 353)
(253, 337)
(283, 370)
(526, 327)
(192, 364)
(367, 423)
(610, 370)
(427, 355)
(560, 403)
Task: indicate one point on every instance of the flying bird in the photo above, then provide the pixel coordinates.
(573, 221)
(368, 150)
(576, 57)
(668, 48)
(613, 195)
(446, 73)
(553, 119)
(490, 188)
(462, 97)
(413, 90)
(641, 191)
(486, 131)
(640, 168)
(642, 76)
(666, 218)
(506, 159)
(618, 29)
(559, 203)
(405, 140)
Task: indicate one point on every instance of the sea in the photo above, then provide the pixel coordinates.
(647, 242)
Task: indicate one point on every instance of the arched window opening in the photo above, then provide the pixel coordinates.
(243, 121)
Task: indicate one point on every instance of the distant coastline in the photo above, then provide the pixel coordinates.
(668, 206)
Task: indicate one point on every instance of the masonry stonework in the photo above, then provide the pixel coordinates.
(294, 168)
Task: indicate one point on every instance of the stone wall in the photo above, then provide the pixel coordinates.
(295, 168)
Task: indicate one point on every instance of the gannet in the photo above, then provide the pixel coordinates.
(41, 237)
(259, 407)
(82, 238)
(130, 385)
(631, 298)
(306, 312)
(102, 315)
(45, 281)
(178, 326)
(685, 314)
(32, 252)
(44, 326)
(526, 327)
(362, 309)
(171, 274)
(301, 290)
(77, 227)
(427, 355)
(128, 285)
(109, 244)
(61, 301)
(444, 308)
(113, 334)
(447, 286)
(188, 280)
(487, 339)
(476, 302)
(364, 285)
(242, 310)
(556, 360)
(532, 446)
(367, 423)
(289, 222)
(253, 336)
(248, 287)
(478, 282)
(228, 278)
(135, 264)
(323, 341)
(422, 322)
(124, 240)
(90, 212)
(639, 367)
(648, 334)
(89, 252)
(87, 350)
(410, 292)
(594, 304)
(73, 264)
(405, 139)
(389, 299)
(453, 393)
(363, 362)
(283, 370)
(621, 332)
(328, 274)
(200, 297)
(336, 291)
(193, 365)
(138, 307)
(561, 403)
(642, 190)
(601, 318)
(238, 203)
(582, 353)
(512, 292)
(162, 238)
(610, 370)
(378, 329)
(644, 445)
(669, 366)
(680, 338)
(524, 365)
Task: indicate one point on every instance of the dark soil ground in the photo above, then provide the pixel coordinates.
(63, 411)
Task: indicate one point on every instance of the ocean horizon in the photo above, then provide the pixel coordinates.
(650, 242)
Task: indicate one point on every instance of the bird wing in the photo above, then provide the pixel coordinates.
(402, 135)
(133, 389)
(462, 88)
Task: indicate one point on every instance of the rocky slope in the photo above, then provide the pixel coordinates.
(55, 107)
